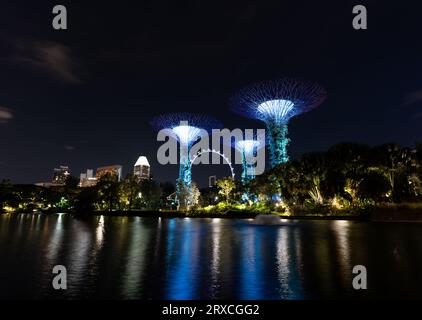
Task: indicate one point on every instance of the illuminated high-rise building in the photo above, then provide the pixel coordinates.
(87, 179)
(141, 169)
(60, 175)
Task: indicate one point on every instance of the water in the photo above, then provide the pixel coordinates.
(153, 258)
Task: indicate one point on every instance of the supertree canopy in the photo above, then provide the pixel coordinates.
(247, 148)
(275, 102)
(187, 128)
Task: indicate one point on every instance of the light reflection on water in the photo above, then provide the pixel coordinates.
(215, 260)
(156, 258)
(341, 232)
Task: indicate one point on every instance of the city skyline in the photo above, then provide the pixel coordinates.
(140, 169)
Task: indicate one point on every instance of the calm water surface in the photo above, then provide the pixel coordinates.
(153, 258)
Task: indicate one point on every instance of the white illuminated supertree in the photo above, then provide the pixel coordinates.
(186, 128)
(275, 103)
(248, 148)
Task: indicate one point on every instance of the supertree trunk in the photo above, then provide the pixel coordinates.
(244, 169)
(248, 170)
(185, 175)
(278, 142)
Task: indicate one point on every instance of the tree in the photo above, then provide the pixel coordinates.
(226, 187)
(195, 195)
(188, 197)
(150, 194)
(394, 162)
(293, 183)
(85, 200)
(209, 196)
(71, 182)
(374, 185)
(182, 195)
(108, 191)
(129, 189)
(315, 191)
(167, 189)
(5, 193)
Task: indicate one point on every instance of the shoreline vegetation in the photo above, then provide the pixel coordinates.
(348, 181)
(405, 212)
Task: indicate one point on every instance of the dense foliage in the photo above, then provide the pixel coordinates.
(348, 178)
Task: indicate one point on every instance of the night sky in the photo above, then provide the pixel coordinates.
(84, 97)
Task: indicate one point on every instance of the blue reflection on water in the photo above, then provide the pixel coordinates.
(182, 275)
(289, 256)
(250, 265)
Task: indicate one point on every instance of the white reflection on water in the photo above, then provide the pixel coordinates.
(341, 229)
(283, 261)
(55, 241)
(139, 237)
(99, 232)
(78, 256)
(289, 263)
(54, 233)
(216, 252)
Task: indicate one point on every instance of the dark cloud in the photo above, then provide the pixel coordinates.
(50, 57)
(413, 97)
(69, 148)
(5, 115)
(417, 115)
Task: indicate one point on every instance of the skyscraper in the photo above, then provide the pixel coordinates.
(141, 169)
(60, 175)
(87, 179)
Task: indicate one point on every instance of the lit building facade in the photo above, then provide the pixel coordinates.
(112, 170)
(141, 169)
(60, 175)
(87, 179)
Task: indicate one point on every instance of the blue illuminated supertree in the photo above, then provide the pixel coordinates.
(247, 148)
(186, 128)
(275, 103)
